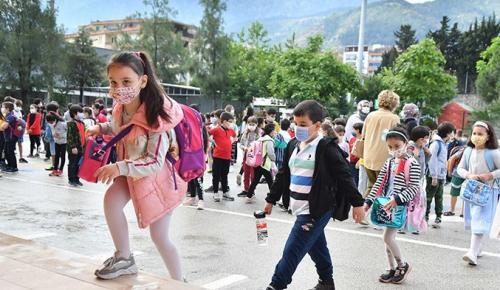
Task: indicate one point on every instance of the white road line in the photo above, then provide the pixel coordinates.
(354, 232)
(32, 236)
(359, 233)
(224, 282)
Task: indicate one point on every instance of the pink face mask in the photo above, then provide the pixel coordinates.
(125, 95)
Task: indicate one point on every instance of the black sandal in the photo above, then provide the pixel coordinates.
(449, 213)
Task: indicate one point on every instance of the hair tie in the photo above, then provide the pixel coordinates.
(387, 132)
(482, 124)
(138, 55)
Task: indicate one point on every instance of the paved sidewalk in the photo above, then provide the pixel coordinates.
(28, 265)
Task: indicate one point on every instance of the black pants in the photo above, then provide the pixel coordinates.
(46, 146)
(60, 157)
(194, 187)
(34, 143)
(10, 153)
(2, 149)
(258, 173)
(355, 173)
(73, 166)
(220, 170)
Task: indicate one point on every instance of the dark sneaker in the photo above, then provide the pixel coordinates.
(330, 285)
(242, 194)
(50, 168)
(22, 160)
(79, 183)
(227, 196)
(401, 274)
(271, 287)
(10, 170)
(437, 223)
(73, 184)
(115, 267)
(387, 276)
(37, 155)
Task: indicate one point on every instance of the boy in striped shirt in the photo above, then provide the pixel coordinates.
(318, 178)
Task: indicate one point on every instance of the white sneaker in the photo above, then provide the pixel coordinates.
(190, 201)
(251, 199)
(238, 179)
(217, 197)
(470, 258)
(201, 205)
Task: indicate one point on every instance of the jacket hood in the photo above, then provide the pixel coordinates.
(173, 109)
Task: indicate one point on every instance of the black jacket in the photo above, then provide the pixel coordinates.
(333, 186)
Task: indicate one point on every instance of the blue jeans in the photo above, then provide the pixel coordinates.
(301, 242)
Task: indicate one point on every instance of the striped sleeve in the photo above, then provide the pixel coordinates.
(152, 160)
(411, 190)
(378, 183)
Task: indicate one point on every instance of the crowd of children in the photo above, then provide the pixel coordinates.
(314, 167)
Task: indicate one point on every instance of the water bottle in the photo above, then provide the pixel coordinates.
(260, 221)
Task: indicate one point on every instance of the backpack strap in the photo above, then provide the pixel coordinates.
(384, 181)
(115, 140)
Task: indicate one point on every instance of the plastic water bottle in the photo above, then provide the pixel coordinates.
(260, 221)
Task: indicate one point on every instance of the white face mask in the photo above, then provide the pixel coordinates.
(17, 109)
(365, 110)
(398, 153)
(4, 111)
(292, 126)
(32, 110)
(80, 116)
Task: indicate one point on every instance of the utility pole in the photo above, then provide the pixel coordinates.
(50, 86)
(361, 40)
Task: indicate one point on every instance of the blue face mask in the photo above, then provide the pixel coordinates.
(302, 133)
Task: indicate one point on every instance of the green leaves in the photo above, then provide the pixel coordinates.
(488, 67)
(308, 73)
(418, 77)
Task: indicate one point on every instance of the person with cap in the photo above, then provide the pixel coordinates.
(409, 114)
(362, 111)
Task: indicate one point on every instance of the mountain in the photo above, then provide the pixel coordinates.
(383, 18)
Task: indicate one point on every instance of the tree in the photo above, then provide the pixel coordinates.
(405, 37)
(22, 38)
(488, 81)
(253, 65)
(471, 44)
(160, 40)
(212, 51)
(419, 77)
(309, 73)
(372, 86)
(83, 66)
(447, 41)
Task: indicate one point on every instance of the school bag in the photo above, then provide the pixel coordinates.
(19, 128)
(189, 136)
(255, 155)
(475, 191)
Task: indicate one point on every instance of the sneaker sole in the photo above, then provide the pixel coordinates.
(384, 281)
(469, 260)
(405, 277)
(122, 272)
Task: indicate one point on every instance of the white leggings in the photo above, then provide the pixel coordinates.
(476, 244)
(116, 198)
(392, 249)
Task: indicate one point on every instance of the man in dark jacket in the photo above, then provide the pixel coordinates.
(318, 180)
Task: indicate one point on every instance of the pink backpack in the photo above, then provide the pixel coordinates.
(416, 207)
(255, 157)
(189, 136)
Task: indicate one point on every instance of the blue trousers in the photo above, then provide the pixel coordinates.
(307, 237)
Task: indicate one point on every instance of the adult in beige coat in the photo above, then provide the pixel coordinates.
(375, 149)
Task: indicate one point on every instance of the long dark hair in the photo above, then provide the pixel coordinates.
(153, 95)
(492, 142)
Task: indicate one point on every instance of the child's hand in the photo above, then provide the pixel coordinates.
(93, 131)
(366, 207)
(434, 182)
(486, 177)
(74, 151)
(472, 176)
(107, 173)
(358, 213)
(392, 203)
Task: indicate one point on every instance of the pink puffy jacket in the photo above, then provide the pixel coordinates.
(141, 156)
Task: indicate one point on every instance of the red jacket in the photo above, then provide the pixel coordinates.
(34, 125)
(222, 140)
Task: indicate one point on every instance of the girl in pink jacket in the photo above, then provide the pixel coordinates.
(141, 174)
